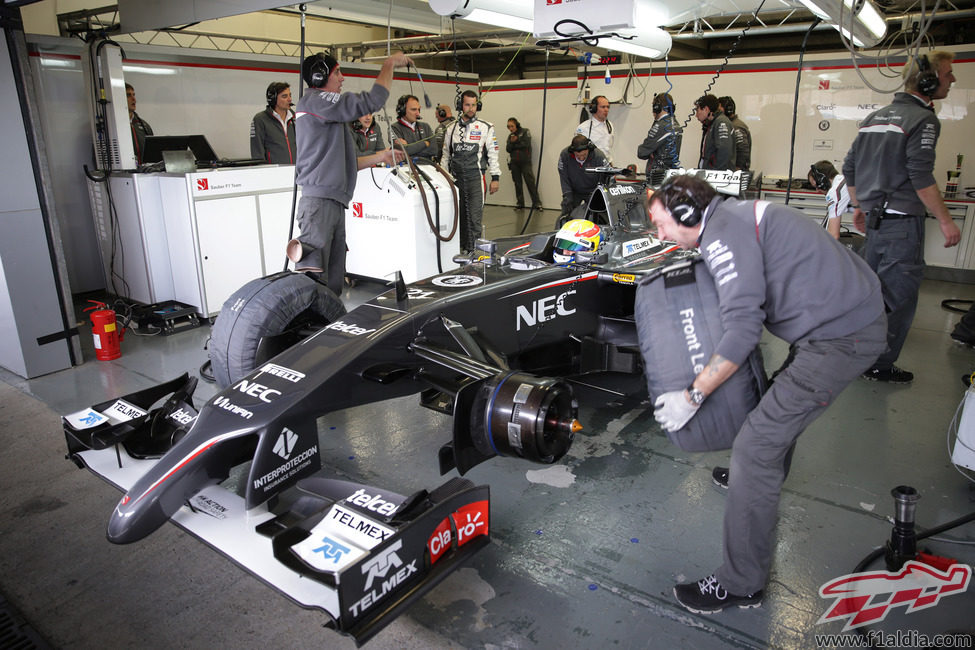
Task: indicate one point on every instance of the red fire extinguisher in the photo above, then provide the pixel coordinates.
(106, 332)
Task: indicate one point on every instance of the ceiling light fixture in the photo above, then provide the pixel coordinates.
(869, 26)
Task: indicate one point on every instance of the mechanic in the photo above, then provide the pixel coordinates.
(519, 148)
(578, 184)
(140, 128)
(445, 120)
(470, 148)
(409, 132)
(741, 133)
(889, 173)
(661, 147)
(577, 235)
(718, 142)
(824, 177)
(598, 128)
(760, 255)
(273, 129)
(327, 163)
(368, 136)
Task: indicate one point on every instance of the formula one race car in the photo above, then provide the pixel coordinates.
(493, 343)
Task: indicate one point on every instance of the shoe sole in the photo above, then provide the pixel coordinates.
(963, 344)
(719, 609)
(723, 486)
(888, 381)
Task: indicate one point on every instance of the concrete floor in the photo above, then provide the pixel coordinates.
(584, 553)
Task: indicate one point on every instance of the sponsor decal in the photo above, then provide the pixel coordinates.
(720, 261)
(624, 278)
(457, 281)
(635, 246)
(280, 371)
(475, 134)
(225, 404)
(323, 551)
(348, 328)
(202, 184)
(824, 84)
(283, 472)
(691, 340)
(379, 568)
(359, 530)
(824, 125)
(182, 417)
(374, 502)
(471, 521)
(357, 209)
(440, 541)
(553, 2)
(122, 411)
(618, 190)
(543, 309)
(868, 107)
(865, 598)
(260, 391)
(285, 444)
(208, 506)
(85, 419)
(332, 550)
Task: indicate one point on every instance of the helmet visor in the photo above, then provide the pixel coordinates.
(572, 244)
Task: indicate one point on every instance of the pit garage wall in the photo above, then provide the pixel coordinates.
(832, 101)
(179, 91)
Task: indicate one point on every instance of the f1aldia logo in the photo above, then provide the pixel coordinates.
(285, 443)
(357, 209)
(202, 184)
(864, 598)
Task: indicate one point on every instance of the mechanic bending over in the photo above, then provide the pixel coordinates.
(890, 176)
(273, 129)
(407, 131)
(578, 184)
(760, 254)
(327, 162)
(824, 177)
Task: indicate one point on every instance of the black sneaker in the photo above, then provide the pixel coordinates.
(962, 340)
(707, 596)
(893, 375)
(719, 476)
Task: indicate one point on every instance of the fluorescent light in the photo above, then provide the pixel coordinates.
(513, 14)
(869, 26)
(499, 19)
(650, 42)
(143, 69)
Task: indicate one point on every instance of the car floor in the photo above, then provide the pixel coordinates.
(583, 553)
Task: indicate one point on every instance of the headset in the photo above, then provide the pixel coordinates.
(401, 105)
(820, 177)
(459, 104)
(594, 104)
(441, 113)
(658, 104)
(318, 71)
(927, 79)
(681, 204)
(586, 144)
(274, 89)
(729, 105)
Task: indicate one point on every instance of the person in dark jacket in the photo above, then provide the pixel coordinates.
(140, 128)
(661, 147)
(578, 184)
(409, 132)
(759, 254)
(519, 148)
(273, 129)
(742, 134)
(718, 141)
(368, 136)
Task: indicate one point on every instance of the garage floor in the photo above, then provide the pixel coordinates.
(583, 555)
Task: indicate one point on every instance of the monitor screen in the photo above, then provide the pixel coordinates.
(156, 144)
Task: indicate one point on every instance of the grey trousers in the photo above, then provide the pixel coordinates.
(322, 224)
(470, 187)
(895, 251)
(799, 394)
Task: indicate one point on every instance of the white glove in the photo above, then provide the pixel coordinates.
(673, 410)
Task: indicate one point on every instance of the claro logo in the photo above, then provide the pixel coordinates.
(543, 309)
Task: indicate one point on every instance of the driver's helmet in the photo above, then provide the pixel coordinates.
(576, 235)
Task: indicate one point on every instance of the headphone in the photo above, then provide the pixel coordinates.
(927, 79)
(356, 125)
(594, 104)
(820, 178)
(401, 105)
(658, 106)
(272, 93)
(588, 144)
(318, 71)
(459, 104)
(441, 113)
(681, 203)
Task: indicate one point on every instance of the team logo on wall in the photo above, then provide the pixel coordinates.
(824, 84)
(202, 184)
(824, 125)
(357, 209)
(457, 281)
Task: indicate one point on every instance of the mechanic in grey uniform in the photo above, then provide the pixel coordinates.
(741, 133)
(661, 147)
(327, 163)
(469, 149)
(718, 143)
(578, 184)
(368, 136)
(273, 129)
(140, 128)
(409, 132)
(760, 255)
(825, 178)
(444, 120)
(889, 173)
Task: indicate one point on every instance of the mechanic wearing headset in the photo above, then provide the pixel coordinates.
(327, 164)
(889, 172)
(409, 132)
(760, 254)
(140, 128)
(598, 128)
(661, 147)
(718, 142)
(741, 133)
(445, 120)
(470, 148)
(578, 184)
(368, 137)
(273, 129)
(824, 177)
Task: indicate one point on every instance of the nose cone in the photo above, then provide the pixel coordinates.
(131, 520)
